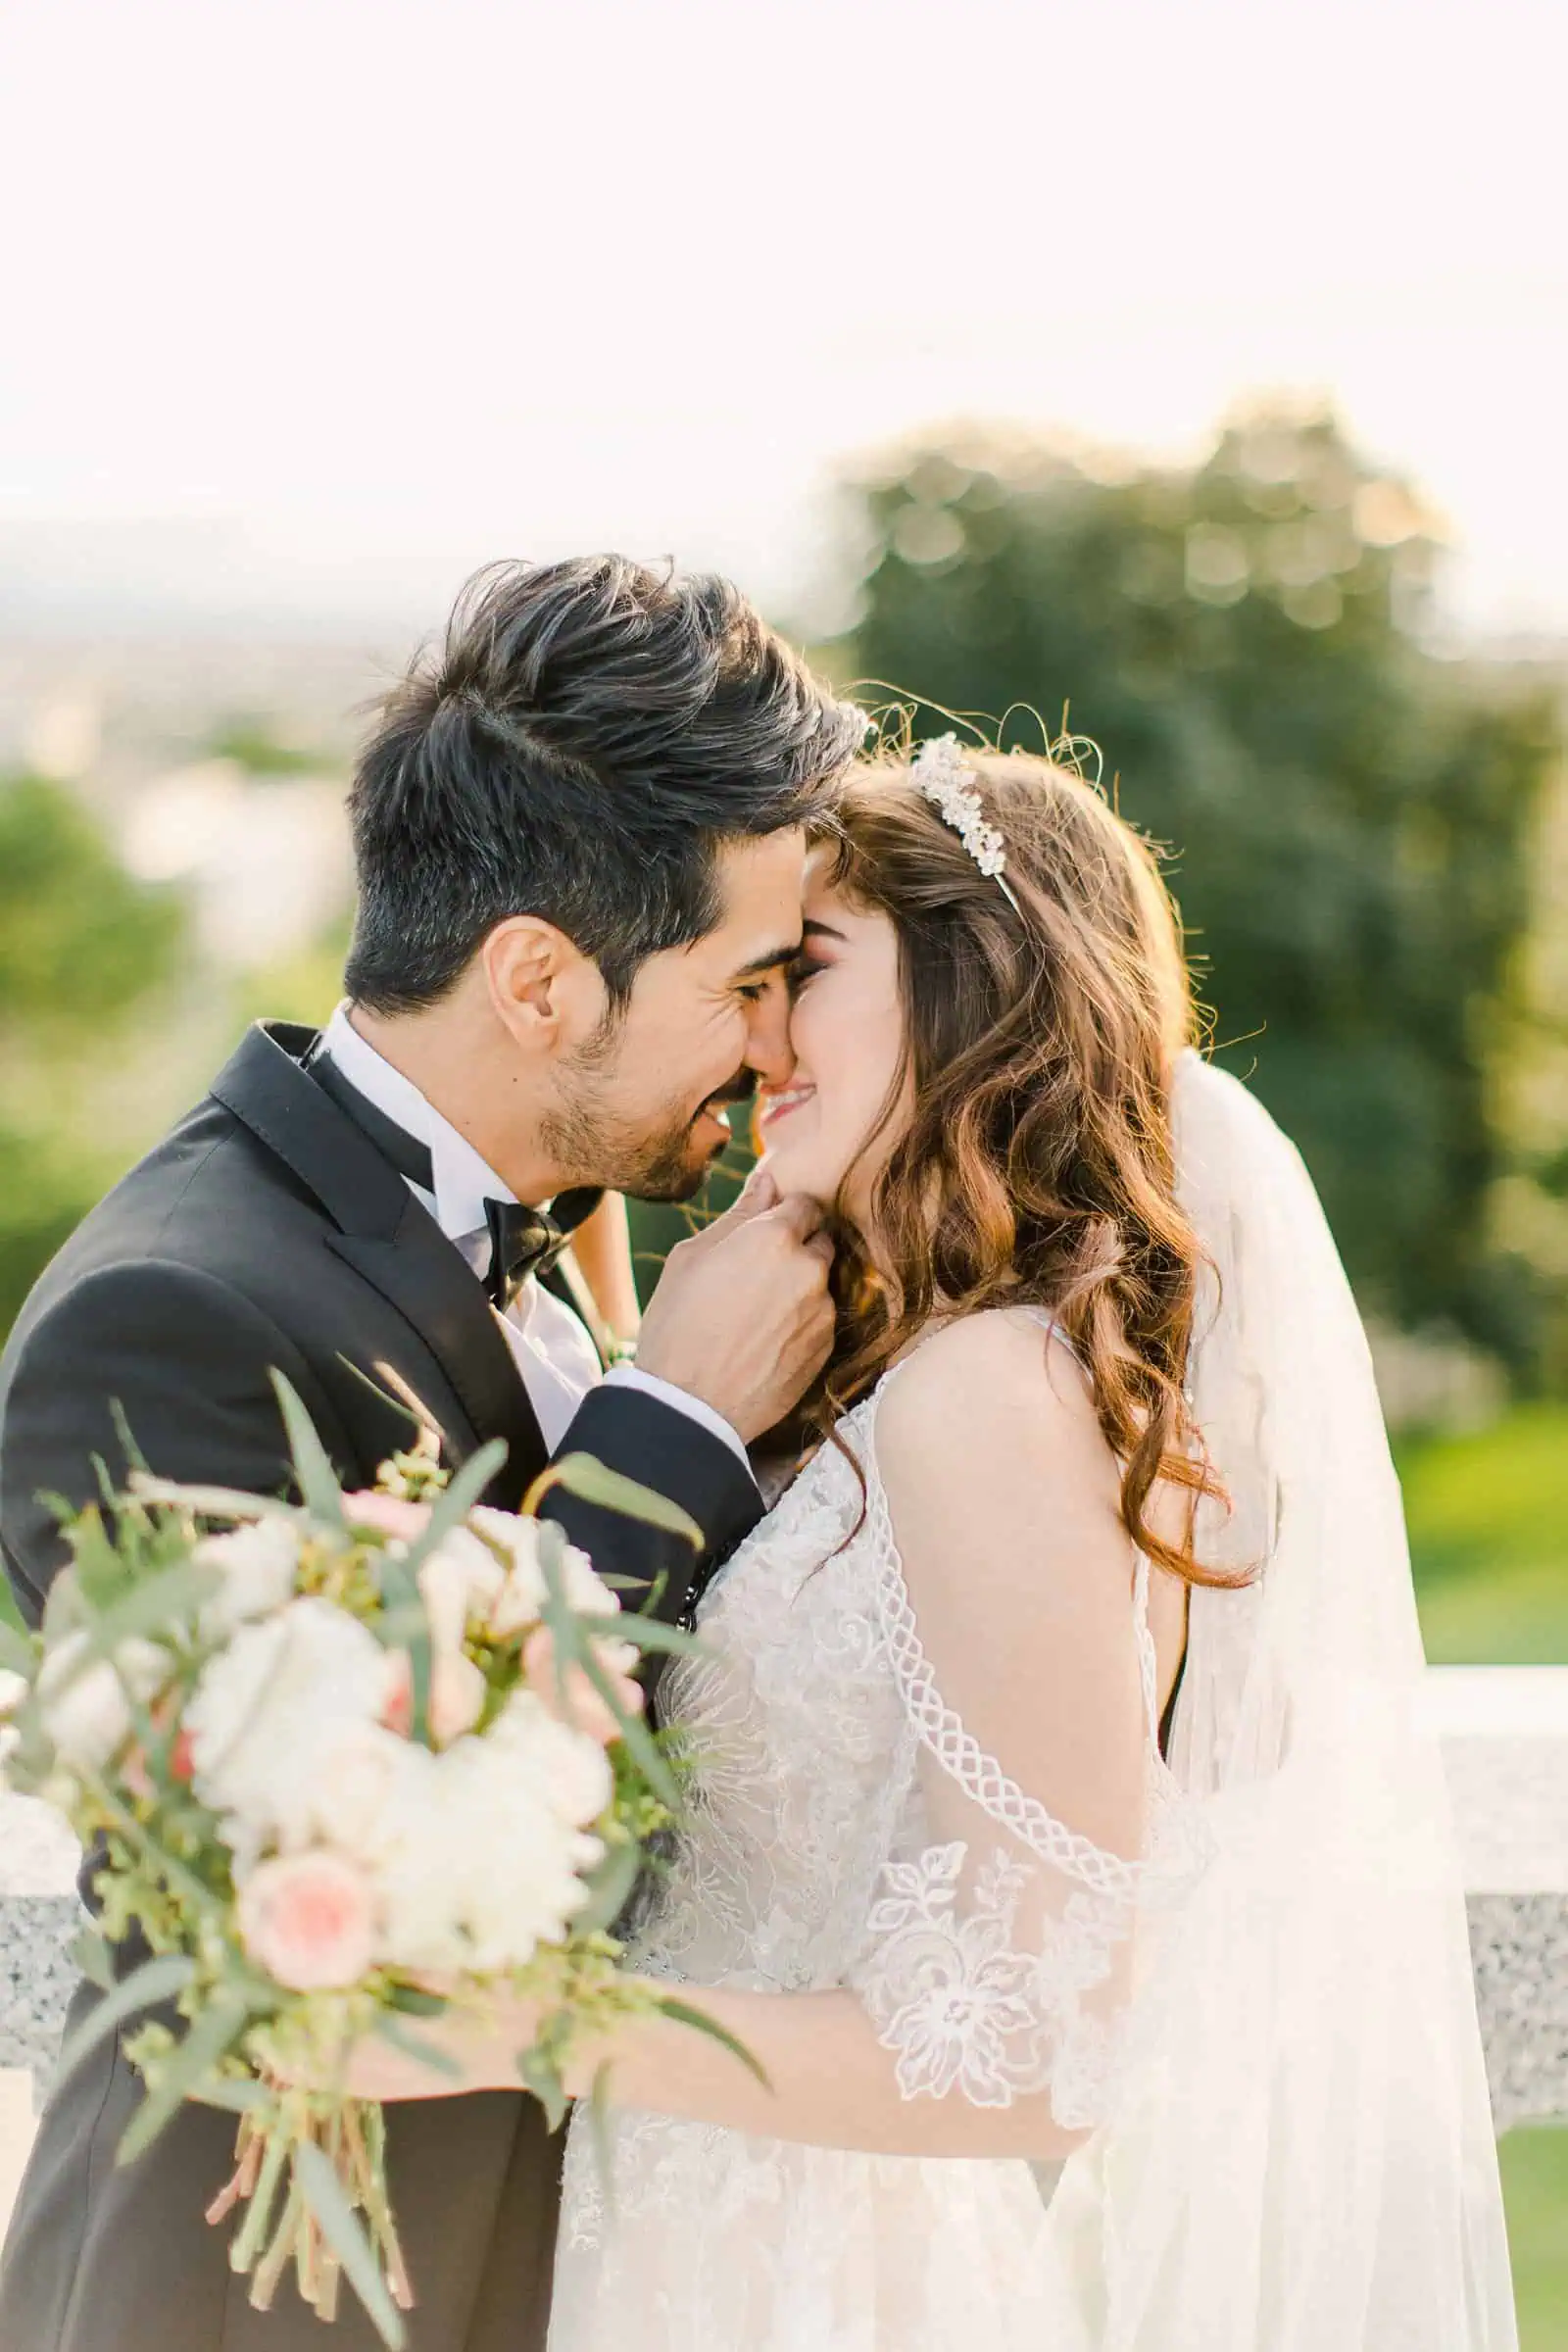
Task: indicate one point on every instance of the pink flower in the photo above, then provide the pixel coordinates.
(134, 1764)
(576, 1703)
(397, 1704)
(387, 1514)
(309, 1920)
(457, 1694)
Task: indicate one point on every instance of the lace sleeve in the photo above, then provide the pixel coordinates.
(997, 1958)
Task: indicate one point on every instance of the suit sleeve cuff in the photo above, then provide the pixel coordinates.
(629, 1376)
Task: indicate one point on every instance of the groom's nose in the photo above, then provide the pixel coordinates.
(767, 1044)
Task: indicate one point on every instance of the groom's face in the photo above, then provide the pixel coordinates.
(640, 1105)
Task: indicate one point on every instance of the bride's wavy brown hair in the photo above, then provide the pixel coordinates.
(1037, 1163)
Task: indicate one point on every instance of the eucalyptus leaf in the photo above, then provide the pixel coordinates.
(59, 1506)
(681, 2013)
(91, 1953)
(154, 1982)
(211, 2037)
(317, 1480)
(156, 1604)
(210, 1502)
(541, 2074)
(101, 1572)
(651, 1633)
(406, 1611)
(418, 2047)
(453, 1505)
(588, 1478)
(634, 1731)
(316, 2177)
(135, 1459)
(574, 1644)
(610, 1888)
(386, 1395)
(17, 1653)
(415, 2001)
(404, 1622)
(237, 2097)
(604, 2144)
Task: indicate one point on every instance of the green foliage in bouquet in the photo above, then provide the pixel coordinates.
(218, 1679)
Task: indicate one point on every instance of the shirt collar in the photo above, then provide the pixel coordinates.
(464, 1182)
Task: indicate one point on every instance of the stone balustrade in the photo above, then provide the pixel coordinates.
(1504, 1734)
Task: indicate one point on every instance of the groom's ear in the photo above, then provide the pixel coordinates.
(543, 990)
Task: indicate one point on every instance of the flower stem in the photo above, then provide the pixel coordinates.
(247, 2244)
(270, 2270)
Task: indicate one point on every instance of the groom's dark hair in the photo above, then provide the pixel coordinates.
(587, 736)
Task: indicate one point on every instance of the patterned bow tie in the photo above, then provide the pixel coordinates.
(528, 1241)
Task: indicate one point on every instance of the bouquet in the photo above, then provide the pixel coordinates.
(331, 1751)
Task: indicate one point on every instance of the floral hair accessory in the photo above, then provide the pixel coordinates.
(939, 769)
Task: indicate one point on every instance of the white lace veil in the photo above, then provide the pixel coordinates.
(1301, 2157)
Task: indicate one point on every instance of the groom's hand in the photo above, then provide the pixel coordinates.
(742, 1318)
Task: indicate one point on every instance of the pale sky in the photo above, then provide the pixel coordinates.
(398, 285)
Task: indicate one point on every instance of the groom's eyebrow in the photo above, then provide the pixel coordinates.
(774, 962)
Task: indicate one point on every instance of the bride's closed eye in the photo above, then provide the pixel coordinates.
(804, 968)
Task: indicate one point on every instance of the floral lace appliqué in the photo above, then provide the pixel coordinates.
(964, 2009)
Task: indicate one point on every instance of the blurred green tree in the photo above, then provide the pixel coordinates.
(1349, 813)
(83, 946)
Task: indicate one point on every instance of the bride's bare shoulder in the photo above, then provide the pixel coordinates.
(1001, 1489)
(999, 1387)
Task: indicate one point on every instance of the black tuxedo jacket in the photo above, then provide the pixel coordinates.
(266, 1231)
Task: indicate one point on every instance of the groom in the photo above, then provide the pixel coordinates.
(579, 836)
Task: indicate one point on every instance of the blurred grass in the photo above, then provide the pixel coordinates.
(1488, 1514)
(1535, 2184)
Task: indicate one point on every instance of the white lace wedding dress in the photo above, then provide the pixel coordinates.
(845, 1828)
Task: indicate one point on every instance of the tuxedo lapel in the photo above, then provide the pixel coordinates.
(390, 1241)
(422, 1275)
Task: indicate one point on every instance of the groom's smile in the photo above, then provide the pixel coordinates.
(705, 1024)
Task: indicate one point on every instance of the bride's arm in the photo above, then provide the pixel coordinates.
(602, 1248)
(1005, 1507)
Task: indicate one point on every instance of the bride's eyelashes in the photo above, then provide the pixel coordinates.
(804, 968)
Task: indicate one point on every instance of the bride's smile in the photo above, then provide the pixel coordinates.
(828, 1129)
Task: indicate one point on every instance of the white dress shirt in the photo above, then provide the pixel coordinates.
(557, 1359)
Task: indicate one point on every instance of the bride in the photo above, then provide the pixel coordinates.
(1063, 1844)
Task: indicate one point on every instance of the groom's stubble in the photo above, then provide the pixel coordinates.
(650, 1157)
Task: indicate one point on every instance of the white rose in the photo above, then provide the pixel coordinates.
(459, 1583)
(369, 1783)
(258, 1562)
(266, 1707)
(562, 1768)
(426, 1872)
(461, 1580)
(522, 1600)
(585, 1590)
(86, 1710)
(13, 1690)
(535, 1899)
(483, 1863)
(501, 1807)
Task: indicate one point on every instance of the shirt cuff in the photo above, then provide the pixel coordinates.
(630, 1376)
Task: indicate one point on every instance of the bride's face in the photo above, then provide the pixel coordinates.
(847, 1039)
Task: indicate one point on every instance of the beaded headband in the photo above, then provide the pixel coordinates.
(939, 769)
